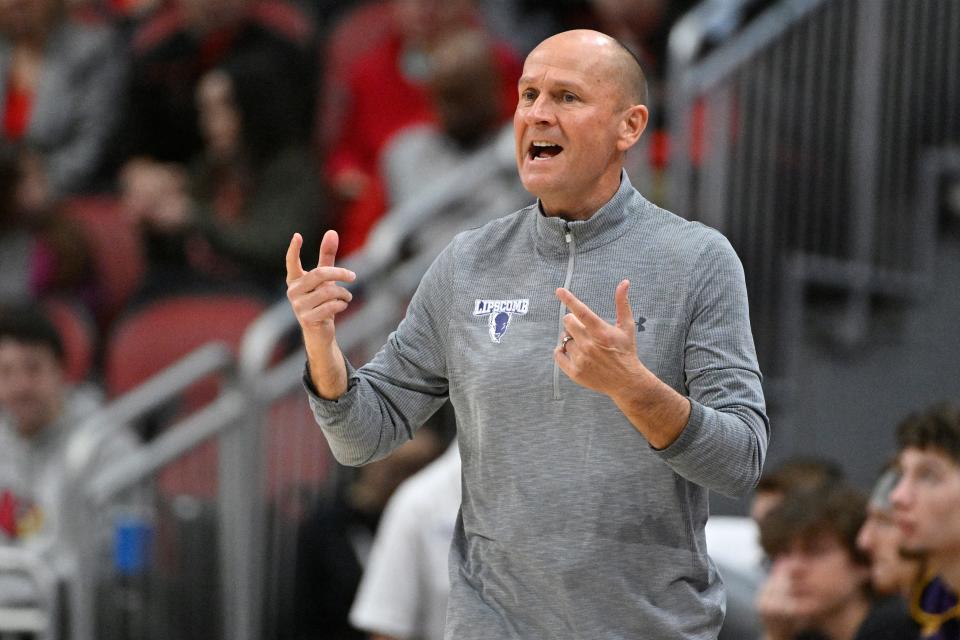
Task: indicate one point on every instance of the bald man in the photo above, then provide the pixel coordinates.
(597, 351)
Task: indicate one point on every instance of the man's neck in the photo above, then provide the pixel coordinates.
(572, 209)
(947, 566)
(568, 213)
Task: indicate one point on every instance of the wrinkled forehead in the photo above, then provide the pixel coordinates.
(566, 64)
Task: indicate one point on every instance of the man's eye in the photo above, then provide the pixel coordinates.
(529, 94)
(569, 97)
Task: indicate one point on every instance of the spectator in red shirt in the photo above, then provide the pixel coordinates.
(385, 90)
(59, 82)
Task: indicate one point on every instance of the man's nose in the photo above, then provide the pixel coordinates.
(541, 111)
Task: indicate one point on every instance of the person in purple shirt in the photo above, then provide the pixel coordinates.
(936, 610)
(926, 503)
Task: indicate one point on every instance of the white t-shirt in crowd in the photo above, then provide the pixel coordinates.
(406, 583)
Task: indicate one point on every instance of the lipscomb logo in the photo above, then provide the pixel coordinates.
(501, 312)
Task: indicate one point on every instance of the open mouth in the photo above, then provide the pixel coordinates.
(540, 150)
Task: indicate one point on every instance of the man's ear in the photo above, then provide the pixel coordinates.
(632, 126)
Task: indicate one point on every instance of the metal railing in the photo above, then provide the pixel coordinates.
(85, 544)
(803, 139)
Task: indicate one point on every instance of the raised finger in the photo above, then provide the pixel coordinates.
(294, 267)
(584, 313)
(328, 249)
(624, 312)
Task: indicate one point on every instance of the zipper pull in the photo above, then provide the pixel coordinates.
(566, 233)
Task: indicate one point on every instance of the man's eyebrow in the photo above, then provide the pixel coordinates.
(561, 83)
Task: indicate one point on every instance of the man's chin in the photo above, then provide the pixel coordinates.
(538, 185)
(531, 181)
(885, 585)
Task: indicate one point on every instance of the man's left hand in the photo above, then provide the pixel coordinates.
(601, 356)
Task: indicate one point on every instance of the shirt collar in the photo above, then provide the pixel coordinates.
(609, 222)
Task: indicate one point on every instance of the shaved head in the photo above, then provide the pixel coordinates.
(615, 62)
(632, 79)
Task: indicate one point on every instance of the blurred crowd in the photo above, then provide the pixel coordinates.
(156, 147)
(151, 149)
(841, 565)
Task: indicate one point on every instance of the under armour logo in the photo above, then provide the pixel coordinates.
(640, 321)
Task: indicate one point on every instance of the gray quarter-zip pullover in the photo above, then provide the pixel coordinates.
(572, 526)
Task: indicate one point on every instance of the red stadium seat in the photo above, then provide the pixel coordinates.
(79, 335)
(156, 336)
(115, 248)
(162, 332)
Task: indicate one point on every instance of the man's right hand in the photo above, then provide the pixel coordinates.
(316, 299)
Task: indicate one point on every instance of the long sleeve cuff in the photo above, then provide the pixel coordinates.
(717, 450)
(322, 406)
(688, 435)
